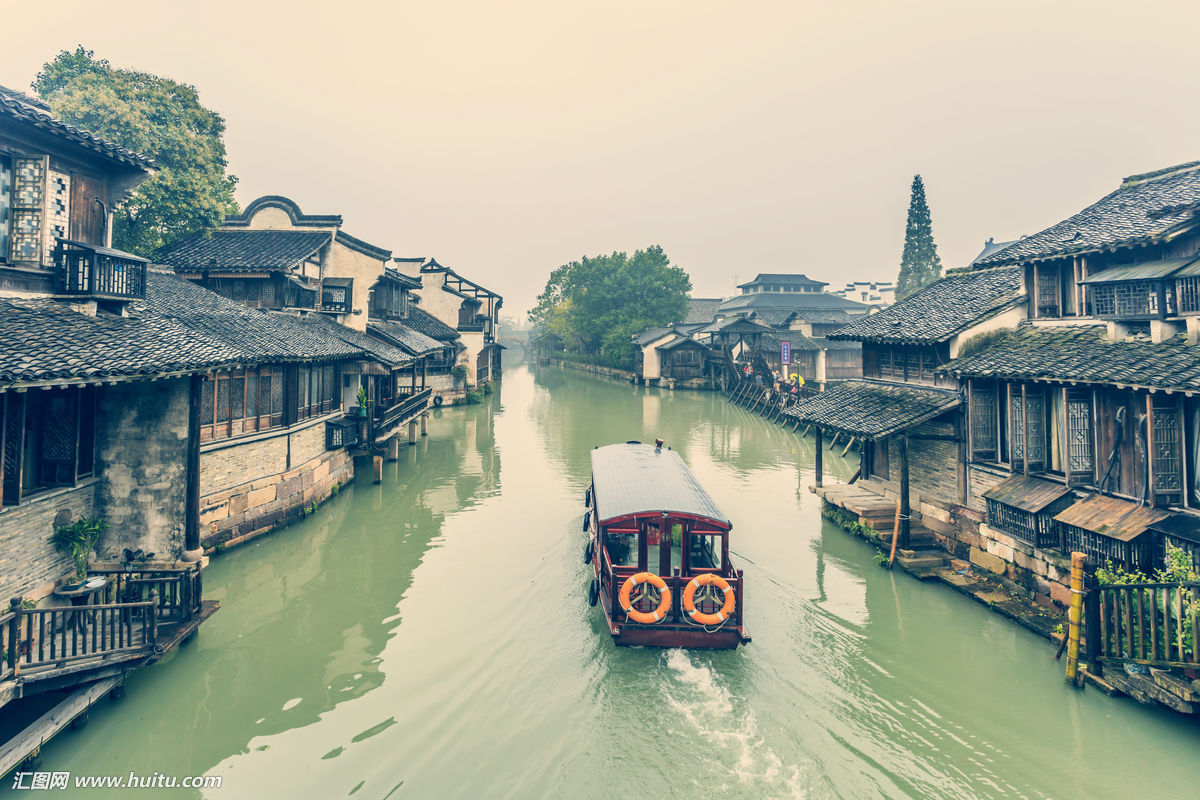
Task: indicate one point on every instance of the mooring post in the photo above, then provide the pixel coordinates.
(412, 431)
(393, 453)
(378, 463)
(425, 424)
(1075, 615)
(817, 465)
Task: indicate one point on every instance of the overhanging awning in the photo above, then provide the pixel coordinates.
(874, 409)
(1108, 516)
(1178, 526)
(1147, 270)
(1026, 493)
(339, 282)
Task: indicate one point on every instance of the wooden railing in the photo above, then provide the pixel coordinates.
(1156, 624)
(178, 590)
(37, 637)
(98, 271)
(405, 407)
(8, 640)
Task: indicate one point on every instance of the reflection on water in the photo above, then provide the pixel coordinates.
(429, 637)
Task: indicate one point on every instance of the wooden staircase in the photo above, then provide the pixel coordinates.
(923, 555)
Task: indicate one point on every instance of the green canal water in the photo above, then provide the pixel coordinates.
(430, 638)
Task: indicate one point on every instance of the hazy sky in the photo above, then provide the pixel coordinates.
(506, 138)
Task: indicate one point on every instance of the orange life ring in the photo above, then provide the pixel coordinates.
(645, 617)
(689, 599)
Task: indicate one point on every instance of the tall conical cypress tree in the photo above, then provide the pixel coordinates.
(920, 264)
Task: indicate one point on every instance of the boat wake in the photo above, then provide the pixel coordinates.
(727, 743)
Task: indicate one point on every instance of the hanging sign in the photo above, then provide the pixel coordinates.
(785, 352)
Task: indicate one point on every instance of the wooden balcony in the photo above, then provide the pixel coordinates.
(142, 615)
(99, 272)
(386, 419)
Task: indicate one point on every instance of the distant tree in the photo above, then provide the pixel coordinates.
(920, 264)
(155, 117)
(597, 303)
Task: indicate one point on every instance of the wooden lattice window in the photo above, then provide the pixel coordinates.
(913, 363)
(1080, 436)
(1134, 554)
(1167, 474)
(886, 364)
(984, 425)
(1033, 422)
(1047, 292)
(1189, 294)
(241, 401)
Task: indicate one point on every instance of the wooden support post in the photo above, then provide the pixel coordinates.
(14, 633)
(393, 448)
(425, 424)
(412, 431)
(817, 465)
(378, 464)
(153, 612)
(192, 551)
(905, 507)
(849, 444)
(1075, 615)
(806, 428)
(833, 443)
(895, 534)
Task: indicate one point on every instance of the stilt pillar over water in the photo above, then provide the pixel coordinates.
(1075, 615)
(817, 461)
(393, 451)
(905, 507)
(378, 463)
(425, 424)
(412, 431)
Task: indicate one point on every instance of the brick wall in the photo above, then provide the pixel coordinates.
(28, 562)
(141, 455)
(241, 463)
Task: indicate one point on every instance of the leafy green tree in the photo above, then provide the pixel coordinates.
(920, 265)
(155, 117)
(597, 303)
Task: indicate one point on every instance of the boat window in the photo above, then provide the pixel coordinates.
(705, 552)
(622, 547)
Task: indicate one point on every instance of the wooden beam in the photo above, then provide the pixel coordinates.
(191, 470)
(817, 461)
(905, 507)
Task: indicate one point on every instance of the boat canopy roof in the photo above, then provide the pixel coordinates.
(631, 481)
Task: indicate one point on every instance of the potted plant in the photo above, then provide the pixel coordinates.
(79, 540)
(362, 401)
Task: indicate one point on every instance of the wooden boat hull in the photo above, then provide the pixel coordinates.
(665, 634)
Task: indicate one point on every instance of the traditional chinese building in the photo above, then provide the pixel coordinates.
(466, 307)
(1042, 401)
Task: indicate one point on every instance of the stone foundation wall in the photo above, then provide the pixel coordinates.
(1040, 575)
(235, 515)
(252, 487)
(611, 372)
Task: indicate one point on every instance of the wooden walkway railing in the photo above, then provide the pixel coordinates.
(41, 637)
(178, 590)
(1156, 624)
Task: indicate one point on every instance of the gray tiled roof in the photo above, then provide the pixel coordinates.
(701, 309)
(783, 278)
(422, 321)
(410, 341)
(873, 409)
(1140, 211)
(790, 301)
(648, 335)
(18, 106)
(940, 310)
(377, 349)
(179, 327)
(242, 250)
(1084, 354)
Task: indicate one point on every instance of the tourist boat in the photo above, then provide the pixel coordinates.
(659, 548)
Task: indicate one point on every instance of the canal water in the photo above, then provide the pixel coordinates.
(430, 638)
